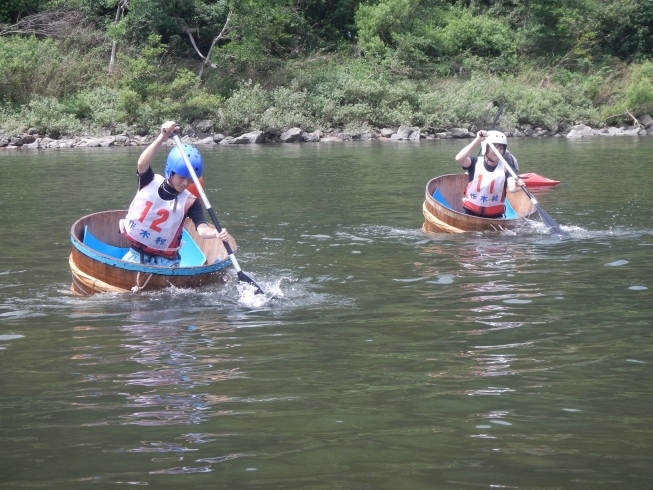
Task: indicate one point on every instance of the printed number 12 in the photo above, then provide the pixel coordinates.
(162, 213)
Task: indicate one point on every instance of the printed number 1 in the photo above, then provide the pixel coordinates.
(163, 214)
(478, 187)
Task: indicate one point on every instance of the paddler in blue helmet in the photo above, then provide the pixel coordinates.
(485, 194)
(155, 218)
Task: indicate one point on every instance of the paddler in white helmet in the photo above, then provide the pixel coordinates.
(489, 179)
(156, 215)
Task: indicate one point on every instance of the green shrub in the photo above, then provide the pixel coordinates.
(637, 96)
(101, 106)
(50, 116)
(46, 67)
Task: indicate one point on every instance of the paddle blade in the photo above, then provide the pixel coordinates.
(245, 277)
(554, 227)
(193, 188)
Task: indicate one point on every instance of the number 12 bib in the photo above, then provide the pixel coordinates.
(152, 221)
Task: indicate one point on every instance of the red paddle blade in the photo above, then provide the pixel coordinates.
(193, 188)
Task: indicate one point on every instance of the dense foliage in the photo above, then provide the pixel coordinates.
(273, 64)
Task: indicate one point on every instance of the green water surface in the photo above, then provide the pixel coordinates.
(389, 359)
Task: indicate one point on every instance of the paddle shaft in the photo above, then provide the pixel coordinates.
(208, 207)
(546, 217)
(512, 172)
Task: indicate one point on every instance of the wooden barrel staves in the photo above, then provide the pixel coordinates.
(443, 209)
(97, 267)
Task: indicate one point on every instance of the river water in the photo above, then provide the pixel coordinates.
(386, 359)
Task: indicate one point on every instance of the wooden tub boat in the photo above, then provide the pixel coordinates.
(443, 208)
(97, 266)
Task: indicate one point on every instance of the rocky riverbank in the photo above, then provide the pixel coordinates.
(201, 133)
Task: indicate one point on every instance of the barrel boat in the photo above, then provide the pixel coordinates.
(97, 266)
(443, 208)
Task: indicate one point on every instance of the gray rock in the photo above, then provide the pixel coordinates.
(188, 131)
(459, 133)
(574, 134)
(122, 140)
(229, 140)
(582, 129)
(205, 141)
(32, 131)
(16, 141)
(217, 137)
(313, 137)
(632, 132)
(528, 132)
(93, 142)
(105, 143)
(444, 135)
(3, 142)
(203, 126)
(526, 127)
(614, 131)
(387, 132)
(415, 135)
(250, 138)
(516, 133)
(646, 121)
(27, 139)
(35, 145)
(293, 135)
(344, 136)
(404, 132)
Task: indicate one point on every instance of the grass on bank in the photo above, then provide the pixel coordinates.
(62, 87)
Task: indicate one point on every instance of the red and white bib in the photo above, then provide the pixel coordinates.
(485, 195)
(154, 222)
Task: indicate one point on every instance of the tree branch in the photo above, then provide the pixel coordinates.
(120, 13)
(626, 112)
(207, 59)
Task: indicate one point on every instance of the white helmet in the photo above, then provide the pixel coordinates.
(494, 137)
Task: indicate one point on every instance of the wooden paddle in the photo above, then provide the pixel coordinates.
(554, 227)
(242, 275)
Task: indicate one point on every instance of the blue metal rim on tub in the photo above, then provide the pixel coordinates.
(149, 269)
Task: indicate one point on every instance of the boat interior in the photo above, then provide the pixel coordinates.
(99, 232)
(510, 213)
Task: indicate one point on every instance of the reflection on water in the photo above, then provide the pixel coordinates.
(379, 357)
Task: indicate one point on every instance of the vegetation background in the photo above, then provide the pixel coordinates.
(74, 66)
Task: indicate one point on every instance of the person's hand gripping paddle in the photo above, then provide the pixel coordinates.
(242, 275)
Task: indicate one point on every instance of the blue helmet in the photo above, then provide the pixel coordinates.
(175, 162)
